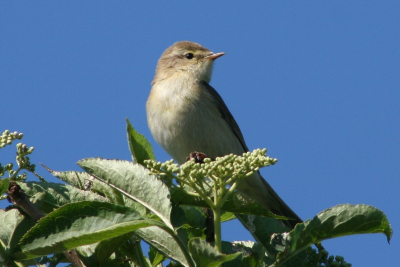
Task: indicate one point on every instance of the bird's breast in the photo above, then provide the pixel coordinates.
(184, 119)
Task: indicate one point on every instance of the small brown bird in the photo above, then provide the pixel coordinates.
(185, 114)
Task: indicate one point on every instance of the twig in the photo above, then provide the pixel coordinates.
(18, 197)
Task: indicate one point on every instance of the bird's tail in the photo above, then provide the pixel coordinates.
(258, 189)
(283, 209)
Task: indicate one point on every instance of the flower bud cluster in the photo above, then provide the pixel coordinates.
(162, 168)
(324, 259)
(224, 171)
(230, 166)
(23, 161)
(22, 158)
(6, 138)
(23, 150)
(166, 170)
(8, 167)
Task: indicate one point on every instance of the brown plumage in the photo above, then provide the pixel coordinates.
(185, 114)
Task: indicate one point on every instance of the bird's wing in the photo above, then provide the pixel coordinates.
(226, 114)
(254, 186)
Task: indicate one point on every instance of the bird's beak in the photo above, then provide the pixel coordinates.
(215, 55)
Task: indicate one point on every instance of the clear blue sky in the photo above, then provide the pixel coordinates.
(317, 83)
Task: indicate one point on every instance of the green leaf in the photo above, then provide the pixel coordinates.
(253, 253)
(4, 184)
(166, 244)
(13, 226)
(156, 257)
(5, 259)
(50, 196)
(3, 253)
(135, 182)
(107, 247)
(74, 178)
(87, 254)
(206, 256)
(227, 216)
(84, 181)
(261, 228)
(79, 224)
(236, 203)
(135, 252)
(231, 248)
(178, 217)
(140, 148)
(195, 216)
(338, 221)
(9, 221)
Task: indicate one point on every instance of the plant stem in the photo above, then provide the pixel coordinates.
(19, 198)
(217, 217)
(217, 228)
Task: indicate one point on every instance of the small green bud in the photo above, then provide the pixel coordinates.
(32, 167)
(8, 166)
(339, 258)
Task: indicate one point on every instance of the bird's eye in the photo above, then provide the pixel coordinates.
(189, 55)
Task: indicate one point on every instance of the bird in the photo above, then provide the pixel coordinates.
(186, 114)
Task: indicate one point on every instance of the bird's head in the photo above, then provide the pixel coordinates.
(186, 58)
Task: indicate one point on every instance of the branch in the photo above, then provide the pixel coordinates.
(17, 196)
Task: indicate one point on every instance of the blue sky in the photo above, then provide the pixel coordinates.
(316, 83)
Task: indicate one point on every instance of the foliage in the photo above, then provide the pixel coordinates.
(105, 211)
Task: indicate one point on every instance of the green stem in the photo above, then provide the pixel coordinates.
(201, 192)
(15, 173)
(217, 218)
(227, 194)
(217, 228)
